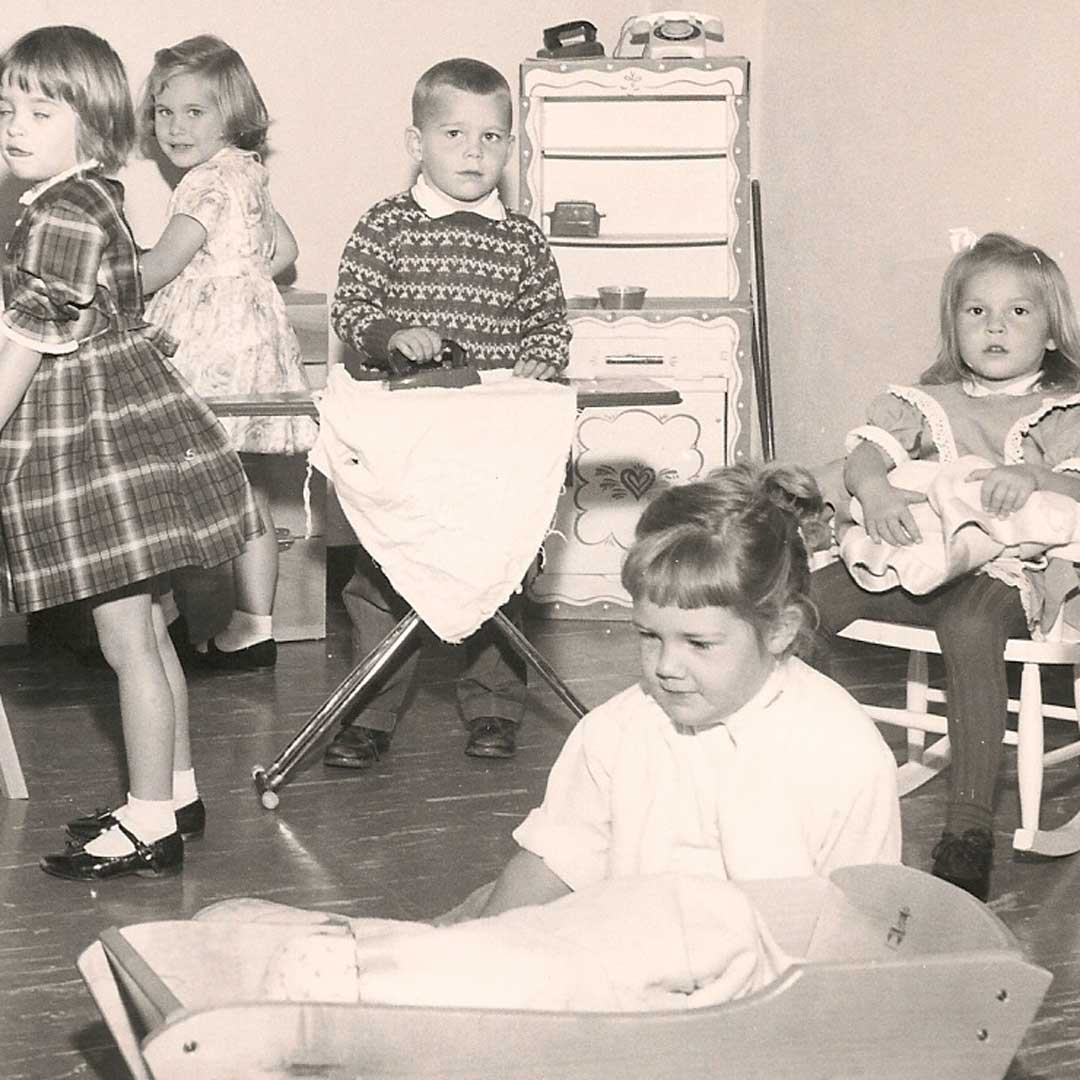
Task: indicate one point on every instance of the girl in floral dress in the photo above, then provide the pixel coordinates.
(112, 471)
(212, 277)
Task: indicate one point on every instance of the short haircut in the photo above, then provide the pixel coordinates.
(461, 73)
(242, 108)
(73, 65)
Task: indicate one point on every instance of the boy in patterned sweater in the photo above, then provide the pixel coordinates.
(446, 260)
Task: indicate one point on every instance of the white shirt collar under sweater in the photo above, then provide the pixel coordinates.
(437, 204)
(28, 196)
(1013, 389)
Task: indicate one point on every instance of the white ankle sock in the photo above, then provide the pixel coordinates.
(148, 819)
(244, 629)
(184, 790)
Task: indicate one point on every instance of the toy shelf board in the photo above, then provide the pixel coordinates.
(639, 240)
(633, 153)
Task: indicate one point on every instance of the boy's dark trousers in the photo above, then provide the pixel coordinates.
(492, 684)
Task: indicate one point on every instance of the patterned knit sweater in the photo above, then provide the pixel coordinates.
(491, 286)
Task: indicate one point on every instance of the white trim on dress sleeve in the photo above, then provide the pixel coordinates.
(887, 443)
(36, 346)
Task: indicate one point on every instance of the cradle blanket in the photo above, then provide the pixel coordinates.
(958, 536)
(627, 944)
(451, 491)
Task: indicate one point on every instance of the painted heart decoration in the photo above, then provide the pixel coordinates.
(637, 479)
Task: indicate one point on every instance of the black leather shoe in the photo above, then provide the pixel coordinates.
(965, 861)
(159, 859)
(263, 654)
(190, 822)
(491, 737)
(356, 747)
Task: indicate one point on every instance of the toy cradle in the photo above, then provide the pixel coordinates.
(906, 976)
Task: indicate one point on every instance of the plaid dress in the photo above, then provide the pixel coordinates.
(112, 470)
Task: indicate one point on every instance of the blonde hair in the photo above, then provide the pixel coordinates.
(73, 65)
(734, 540)
(461, 73)
(243, 111)
(1060, 368)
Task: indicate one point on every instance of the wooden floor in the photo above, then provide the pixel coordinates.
(405, 840)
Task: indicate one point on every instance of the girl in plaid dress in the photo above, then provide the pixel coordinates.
(112, 470)
(212, 275)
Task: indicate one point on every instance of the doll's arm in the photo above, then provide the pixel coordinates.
(286, 249)
(17, 366)
(183, 236)
(525, 880)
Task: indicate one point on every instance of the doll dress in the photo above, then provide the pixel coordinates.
(112, 470)
(224, 309)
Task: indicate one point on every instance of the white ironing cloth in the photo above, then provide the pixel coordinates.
(451, 491)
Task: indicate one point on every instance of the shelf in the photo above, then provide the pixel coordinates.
(657, 307)
(634, 153)
(641, 240)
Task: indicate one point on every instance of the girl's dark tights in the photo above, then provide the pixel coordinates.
(973, 617)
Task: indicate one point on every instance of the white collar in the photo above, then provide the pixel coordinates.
(437, 204)
(28, 196)
(1013, 389)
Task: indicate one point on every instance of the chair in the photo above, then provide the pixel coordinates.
(926, 761)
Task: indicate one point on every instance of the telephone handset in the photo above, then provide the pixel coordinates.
(663, 35)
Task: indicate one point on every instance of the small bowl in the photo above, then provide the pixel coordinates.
(621, 297)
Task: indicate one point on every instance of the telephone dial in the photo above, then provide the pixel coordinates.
(664, 35)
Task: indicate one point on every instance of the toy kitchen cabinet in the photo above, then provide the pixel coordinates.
(638, 172)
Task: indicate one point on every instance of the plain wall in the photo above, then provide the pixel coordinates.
(337, 77)
(886, 124)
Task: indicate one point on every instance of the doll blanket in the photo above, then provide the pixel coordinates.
(958, 535)
(669, 941)
(451, 491)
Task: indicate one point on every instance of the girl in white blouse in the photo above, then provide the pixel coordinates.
(730, 756)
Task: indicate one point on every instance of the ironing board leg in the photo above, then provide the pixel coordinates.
(524, 648)
(337, 705)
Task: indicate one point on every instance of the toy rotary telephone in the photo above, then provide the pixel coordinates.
(664, 35)
(451, 368)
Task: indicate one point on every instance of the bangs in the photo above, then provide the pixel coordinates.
(45, 78)
(684, 567)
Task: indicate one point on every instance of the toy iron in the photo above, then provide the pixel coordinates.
(451, 368)
(571, 41)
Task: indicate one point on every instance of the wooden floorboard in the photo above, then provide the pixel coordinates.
(405, 840)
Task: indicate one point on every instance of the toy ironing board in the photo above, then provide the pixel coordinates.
(588, 393)
(451, 491)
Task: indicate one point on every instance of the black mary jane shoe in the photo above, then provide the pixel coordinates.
(190, 822)
(263, 654)
(491, 737)
(965, 860)
(159, 859)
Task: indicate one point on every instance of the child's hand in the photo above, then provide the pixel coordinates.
(1005, 489)
(418, 344)
(887, 517)
(535, 369)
